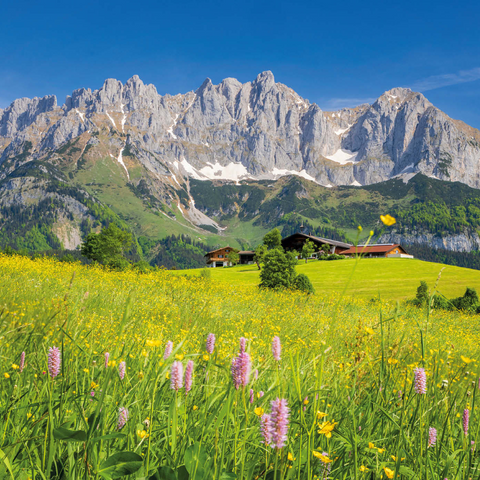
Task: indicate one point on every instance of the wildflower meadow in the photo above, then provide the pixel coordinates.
(158, 376)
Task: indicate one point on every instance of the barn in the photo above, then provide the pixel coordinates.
(386, 250)
(297, 240)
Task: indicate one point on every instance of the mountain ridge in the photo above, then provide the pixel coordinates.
(155, 164)
(260, 129)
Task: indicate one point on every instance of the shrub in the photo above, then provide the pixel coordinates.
(278, 270)
(332, 256)
(143, 266)
(469, 301)
(205, 273)
(421, 298)
(303, 283)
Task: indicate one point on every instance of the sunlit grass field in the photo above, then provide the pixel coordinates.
(391, 278)
(346, 374)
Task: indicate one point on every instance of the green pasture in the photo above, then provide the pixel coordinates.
(391, 278)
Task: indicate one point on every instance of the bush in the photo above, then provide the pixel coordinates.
(468, 302)
(278, 269)
(421, 298)
(118, 263)
(143, 266)
(441, 302)
(205, 273)
(332, 256)
(303, 283)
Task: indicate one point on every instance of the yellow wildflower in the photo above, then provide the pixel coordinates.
(6, 375)
(369, 330)
(322, 457)
(326, 428)
(363, 468)
(388, 220)
(195, 408)
(290, 457)
(388, 472)
(15, 366)
(259, 411)
(206, 357)
(321, 414)
(466, 359)
(93, 385)
(179, 356)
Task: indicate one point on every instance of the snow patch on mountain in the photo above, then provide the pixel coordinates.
(111, 119)
(278, 172)
(343, 156)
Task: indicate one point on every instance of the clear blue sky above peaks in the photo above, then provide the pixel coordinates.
(335, 54)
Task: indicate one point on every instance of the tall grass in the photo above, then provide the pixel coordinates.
(346, 372)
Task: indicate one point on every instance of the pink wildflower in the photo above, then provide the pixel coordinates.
(168, 350)
(188, 376)
(22, 362)
(276, 348)
(176, 376)
(420, 381)
(210, 343)
(54, 361)
(266, 428)
(122, 417)
(121, 370)
(280, 419)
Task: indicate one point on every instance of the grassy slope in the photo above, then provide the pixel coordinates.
(392, 278)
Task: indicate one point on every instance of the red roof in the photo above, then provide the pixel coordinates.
(362, 249)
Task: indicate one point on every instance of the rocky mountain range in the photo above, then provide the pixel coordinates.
(126, 152)
(260, 130)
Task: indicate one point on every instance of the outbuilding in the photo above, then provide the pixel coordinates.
(297, 241)
(386, 250)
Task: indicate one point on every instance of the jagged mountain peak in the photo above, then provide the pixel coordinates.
(259, 129)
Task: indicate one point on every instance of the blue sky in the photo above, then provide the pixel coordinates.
(333, 53)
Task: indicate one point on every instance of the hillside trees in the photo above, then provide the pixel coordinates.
(273, 239)
(108, 247)
(307, 250)
(259, 256)
(233, 257)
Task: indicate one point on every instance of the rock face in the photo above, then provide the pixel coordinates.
(233, 131)
(462, 242)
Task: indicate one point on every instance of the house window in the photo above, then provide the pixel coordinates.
(220, 256)
(396, 251)
(227, 251)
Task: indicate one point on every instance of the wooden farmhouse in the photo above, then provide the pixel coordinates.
(297, 240)
(388, 250)
(219, 257)
(246, 257)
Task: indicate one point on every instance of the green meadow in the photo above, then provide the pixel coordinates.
(389, 278)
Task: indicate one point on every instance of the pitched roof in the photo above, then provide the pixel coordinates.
(336, 243)
(383, 248)
(246, 252)
(218, 250)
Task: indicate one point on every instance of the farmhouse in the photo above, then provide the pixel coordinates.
(246, 257)
(219, 257)
(297, 240)
(387, 250)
